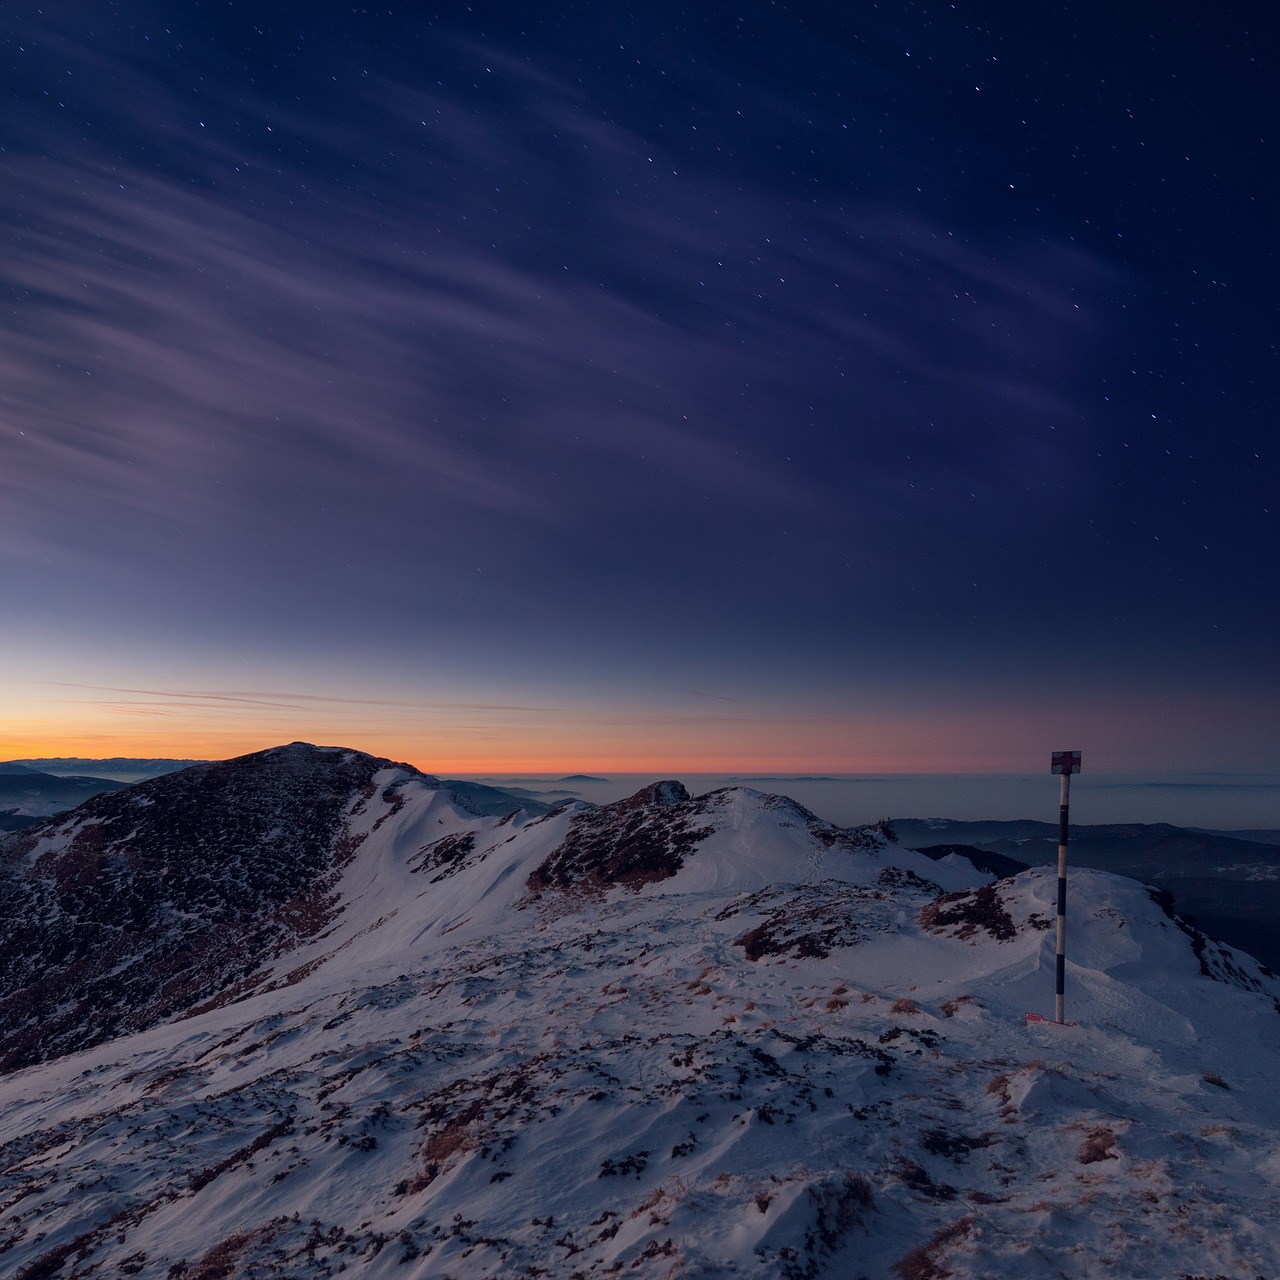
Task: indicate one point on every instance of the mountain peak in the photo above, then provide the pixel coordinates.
(631, 842)
(659, 793)
(147, 900)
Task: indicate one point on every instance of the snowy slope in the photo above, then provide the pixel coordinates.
(149, 902)
(702, 1036)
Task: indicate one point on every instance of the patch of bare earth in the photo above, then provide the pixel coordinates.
(963, 914)
(924, 1262)
(222, 1262)
(446, 855)
(1098, 1146)
(826, 915)
(633, 842)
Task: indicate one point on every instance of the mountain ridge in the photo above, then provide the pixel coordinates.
(785, 1049)
(117, 768)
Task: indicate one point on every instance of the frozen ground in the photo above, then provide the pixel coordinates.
(677, 1037)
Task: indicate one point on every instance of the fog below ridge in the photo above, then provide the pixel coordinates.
(1215, 801)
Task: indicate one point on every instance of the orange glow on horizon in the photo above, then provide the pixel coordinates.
(465, 738)
(109, 746)
(557, 758)
(557, 734)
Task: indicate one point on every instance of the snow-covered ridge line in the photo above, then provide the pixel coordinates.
(673, 1036)
(207, 884)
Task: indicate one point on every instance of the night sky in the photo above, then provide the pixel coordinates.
(837, 386)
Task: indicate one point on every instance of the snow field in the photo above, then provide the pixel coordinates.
(464, 1078)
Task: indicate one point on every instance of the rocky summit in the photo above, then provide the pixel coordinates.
(309, 1012)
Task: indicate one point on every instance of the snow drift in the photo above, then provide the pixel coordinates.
(674, 1035)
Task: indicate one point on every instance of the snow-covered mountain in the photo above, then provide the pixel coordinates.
(151, 901)
(1229, 885)
(357, 1026)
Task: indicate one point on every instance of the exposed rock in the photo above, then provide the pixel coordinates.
(964, 913)
(144, 902)
(632, 842)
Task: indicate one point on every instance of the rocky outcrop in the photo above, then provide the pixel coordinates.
(143, 903)
(632, 842)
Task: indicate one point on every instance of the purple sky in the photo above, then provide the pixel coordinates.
(504, 376)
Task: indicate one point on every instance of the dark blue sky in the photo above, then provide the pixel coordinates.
(691, 368)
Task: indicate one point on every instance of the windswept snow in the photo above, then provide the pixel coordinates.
(700, 1036)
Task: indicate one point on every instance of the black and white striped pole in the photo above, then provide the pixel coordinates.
(1064, 763)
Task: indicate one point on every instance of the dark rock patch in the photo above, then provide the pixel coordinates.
(816, 919)
(446, 855)
(633, 842)
(143, 903)
(963, 914)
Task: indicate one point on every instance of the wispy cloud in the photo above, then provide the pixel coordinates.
(191, 698)
(519, 363)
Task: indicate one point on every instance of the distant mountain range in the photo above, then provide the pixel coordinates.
(27, 795)
(310, 1012)
(118, 768)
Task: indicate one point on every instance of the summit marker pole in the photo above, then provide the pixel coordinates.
(1064, 763)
